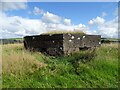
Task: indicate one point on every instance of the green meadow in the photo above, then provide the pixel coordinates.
(85, 69)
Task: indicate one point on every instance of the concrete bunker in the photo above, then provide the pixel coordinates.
(61, 44)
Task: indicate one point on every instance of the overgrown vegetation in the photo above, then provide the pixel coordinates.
(65, 32)
(85, 69)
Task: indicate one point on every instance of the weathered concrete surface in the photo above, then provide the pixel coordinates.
(58, 44)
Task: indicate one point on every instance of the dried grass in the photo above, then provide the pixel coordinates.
(114, 45)
(19, 62)
(65, 32)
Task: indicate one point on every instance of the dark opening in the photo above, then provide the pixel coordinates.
(43, 49)
(84, 48)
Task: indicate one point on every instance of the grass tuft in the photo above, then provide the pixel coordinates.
(65, 32)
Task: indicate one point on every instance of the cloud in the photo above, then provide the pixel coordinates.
(16, 26)
(5, 6)
(51, 18)
(63, 27)
(21, 26)
(81, 27)
(59, 27)
(109, 29)
(67, 21)
(97, 21)
(37, 11)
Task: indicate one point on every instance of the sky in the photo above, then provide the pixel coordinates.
(19, 19)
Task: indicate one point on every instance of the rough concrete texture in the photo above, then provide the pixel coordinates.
(59, 44)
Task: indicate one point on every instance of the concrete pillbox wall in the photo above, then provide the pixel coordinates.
(57, 44)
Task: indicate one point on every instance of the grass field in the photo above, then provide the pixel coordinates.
(24, 69)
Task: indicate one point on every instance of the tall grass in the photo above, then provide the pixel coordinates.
(23, 69)
(17, 61)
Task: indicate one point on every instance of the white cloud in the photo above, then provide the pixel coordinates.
(51, 18)
(67, 21)
(21, 26)
(12, 5)
(16, 26)
(81, 27)
(97, 20)
(37, 11)
(63, 27)
(109, 29)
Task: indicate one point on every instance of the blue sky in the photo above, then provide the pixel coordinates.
(77, 13)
